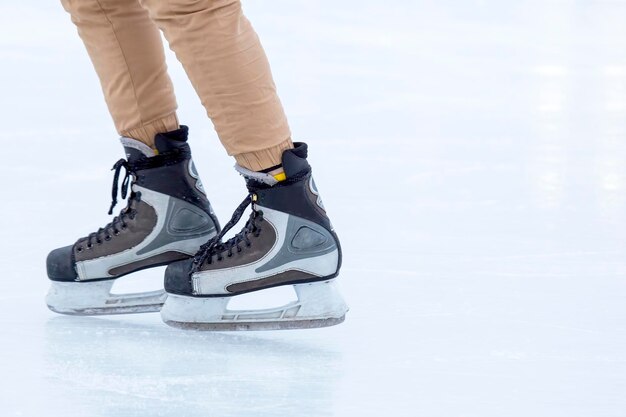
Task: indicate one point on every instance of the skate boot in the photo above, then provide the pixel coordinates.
(287, 240)
(166, 219)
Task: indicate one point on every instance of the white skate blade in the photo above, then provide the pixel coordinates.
(319, 304)
(95, 298)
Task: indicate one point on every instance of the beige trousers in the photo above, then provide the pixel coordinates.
(220, 52)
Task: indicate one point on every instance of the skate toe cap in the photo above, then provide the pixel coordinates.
(60, 266)
(178, 277)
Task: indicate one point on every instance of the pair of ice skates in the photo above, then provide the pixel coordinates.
(168, 220)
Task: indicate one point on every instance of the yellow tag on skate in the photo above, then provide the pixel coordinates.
(280, 177)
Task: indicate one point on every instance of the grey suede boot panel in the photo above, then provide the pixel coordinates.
(304, 239)
(183, 220)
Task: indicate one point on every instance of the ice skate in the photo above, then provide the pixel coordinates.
(166, 219)
(287, 240)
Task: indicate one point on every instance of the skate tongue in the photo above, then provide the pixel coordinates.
(169, 141)
(136, 150)
(294, 160)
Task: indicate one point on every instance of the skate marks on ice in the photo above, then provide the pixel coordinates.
(96, 298)
(318, 304)
(184, 373)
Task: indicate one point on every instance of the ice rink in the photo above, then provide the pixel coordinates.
(472, 157)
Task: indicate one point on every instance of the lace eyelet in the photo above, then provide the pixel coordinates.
(230, 255)
(107, 237)
(124, 226)
(116, 233)
(79, 249)
(89, 246)
(99, 242)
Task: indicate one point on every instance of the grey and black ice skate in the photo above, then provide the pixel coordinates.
(167, 218)
(288, 240)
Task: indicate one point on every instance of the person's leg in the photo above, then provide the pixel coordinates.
(227, 66)
(167, 216)
(125, 47)
(288, 238)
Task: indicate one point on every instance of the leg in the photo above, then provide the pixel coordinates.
(127, 53)
(168, 216)
(288, 239)
(229, 70)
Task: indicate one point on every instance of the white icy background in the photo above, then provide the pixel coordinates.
(472, 156)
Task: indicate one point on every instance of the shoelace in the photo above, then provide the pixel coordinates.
(216, 247)
(129, 212)
(172, 157)
(117, 167)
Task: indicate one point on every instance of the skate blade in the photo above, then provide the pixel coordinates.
(319, 304)
(258, 325)
(95, 298)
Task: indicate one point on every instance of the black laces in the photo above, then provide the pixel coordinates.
(167, 158)
(129, 212)
(216, 247)
(117, 167)
(172, 157)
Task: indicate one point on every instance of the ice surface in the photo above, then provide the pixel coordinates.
(472, 156)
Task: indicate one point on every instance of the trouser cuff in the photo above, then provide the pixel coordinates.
(146, 132)
(264, 158)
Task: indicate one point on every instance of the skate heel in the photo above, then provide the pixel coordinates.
(319, 304)
(320, 299)
(95, 298)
